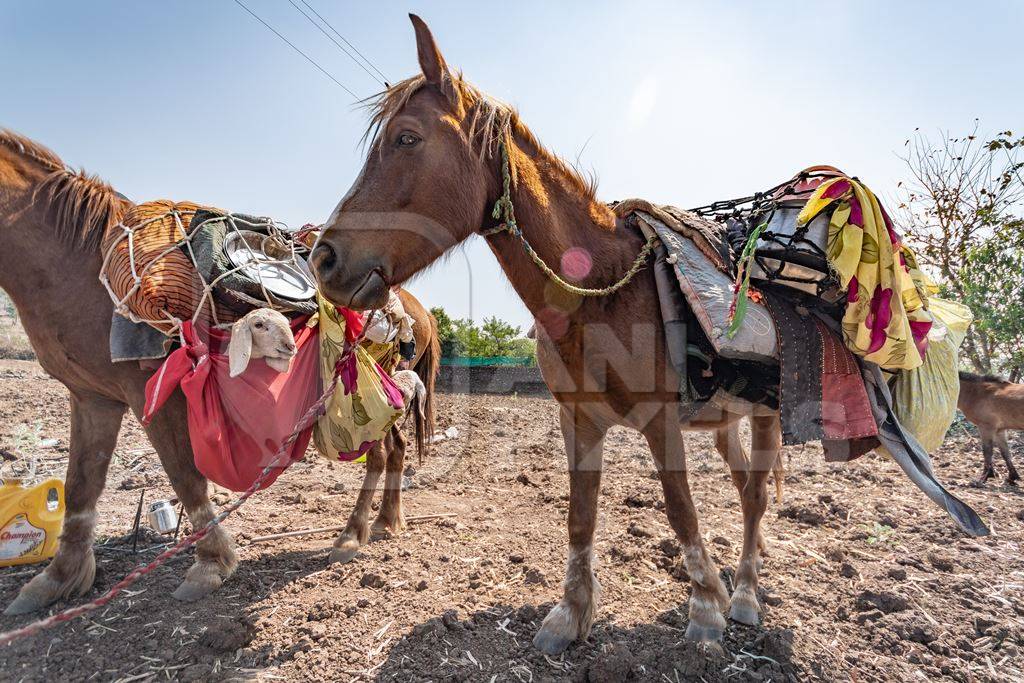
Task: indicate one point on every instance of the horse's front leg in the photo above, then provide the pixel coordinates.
(357, 531)
(391, 519)
(573, 616)
(215, 558)
(766, 448)
(95, 423)
(708, 598)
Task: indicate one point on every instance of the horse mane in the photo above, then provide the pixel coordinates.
(971, 377)
(82, 206)
(490, 122)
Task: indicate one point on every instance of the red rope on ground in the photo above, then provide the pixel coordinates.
(73, 612)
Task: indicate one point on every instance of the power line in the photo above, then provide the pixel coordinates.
(354, 48)
(290, 44)
(336, 43)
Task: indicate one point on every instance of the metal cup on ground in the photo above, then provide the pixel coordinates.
(162, 517)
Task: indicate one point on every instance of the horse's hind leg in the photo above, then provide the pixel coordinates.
(391, 519)
(987, 444)
(215, 555)
(95, 423)
(730, 447)
(1004, 448)
(573, 616)
(357, 531)
(708, 598)
(767, 444)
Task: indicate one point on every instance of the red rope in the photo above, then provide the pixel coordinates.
(282, 452)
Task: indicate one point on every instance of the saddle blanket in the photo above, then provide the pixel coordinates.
(698, 257)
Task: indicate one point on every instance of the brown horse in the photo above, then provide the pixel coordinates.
(434, 170)
(52, 221)
(994, 405)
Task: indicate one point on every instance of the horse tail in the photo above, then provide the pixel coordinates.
(426, 368)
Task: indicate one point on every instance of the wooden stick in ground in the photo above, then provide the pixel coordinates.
(322, 530)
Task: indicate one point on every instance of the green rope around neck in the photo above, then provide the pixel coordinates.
(504, 211)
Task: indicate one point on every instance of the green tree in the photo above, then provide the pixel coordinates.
(963, 211)
(498, 335)
(993, 287)
(521, 347)
(494, 338)
(445, 332)
(469, 339)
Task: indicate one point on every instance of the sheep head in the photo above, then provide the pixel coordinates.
(262, 333)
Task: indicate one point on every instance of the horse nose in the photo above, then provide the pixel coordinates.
(324, 261)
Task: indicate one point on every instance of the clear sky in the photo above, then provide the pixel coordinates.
(681, 103)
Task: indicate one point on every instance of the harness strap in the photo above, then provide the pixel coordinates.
(505, 212)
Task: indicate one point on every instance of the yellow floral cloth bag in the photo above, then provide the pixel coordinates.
(367, 403)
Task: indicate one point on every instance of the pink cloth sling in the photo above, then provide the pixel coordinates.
(237, 424)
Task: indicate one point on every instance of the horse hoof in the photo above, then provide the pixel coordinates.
(557, 632)
(190, 591)
(380, 530)
(344, 553)
(42, 591)
(198, 583)
(551, 643)
(704, 634)
(24, 604)
(745, 613)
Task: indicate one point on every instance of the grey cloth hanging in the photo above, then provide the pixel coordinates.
(136, 341)
(909, 454)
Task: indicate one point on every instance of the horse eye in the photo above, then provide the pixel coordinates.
(407, 140)
(258, 326)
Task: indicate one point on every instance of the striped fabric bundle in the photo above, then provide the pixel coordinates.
(147, 269)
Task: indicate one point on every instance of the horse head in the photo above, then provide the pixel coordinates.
(424, 187)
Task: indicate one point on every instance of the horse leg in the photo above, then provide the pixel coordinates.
(215, 558)
(766, 447)
(95, 423)
(357, 530)
(391, 520)
(729, 446)
(708, 598)
(1004, 448)
(573, 616)
(987, 439)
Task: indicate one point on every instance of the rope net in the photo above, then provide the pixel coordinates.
(153, 271)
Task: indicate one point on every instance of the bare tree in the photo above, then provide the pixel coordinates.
(962, 211)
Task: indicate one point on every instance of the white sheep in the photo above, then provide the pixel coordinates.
(262, 333)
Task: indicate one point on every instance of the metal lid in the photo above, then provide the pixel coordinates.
(285, 275)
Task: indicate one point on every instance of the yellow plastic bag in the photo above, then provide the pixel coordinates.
(925, 397)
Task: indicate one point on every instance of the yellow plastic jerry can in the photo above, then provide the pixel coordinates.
(30, 521)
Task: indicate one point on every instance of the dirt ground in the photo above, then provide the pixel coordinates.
(866, 579)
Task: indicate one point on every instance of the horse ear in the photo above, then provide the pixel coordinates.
(431, 62)
(239, 348)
